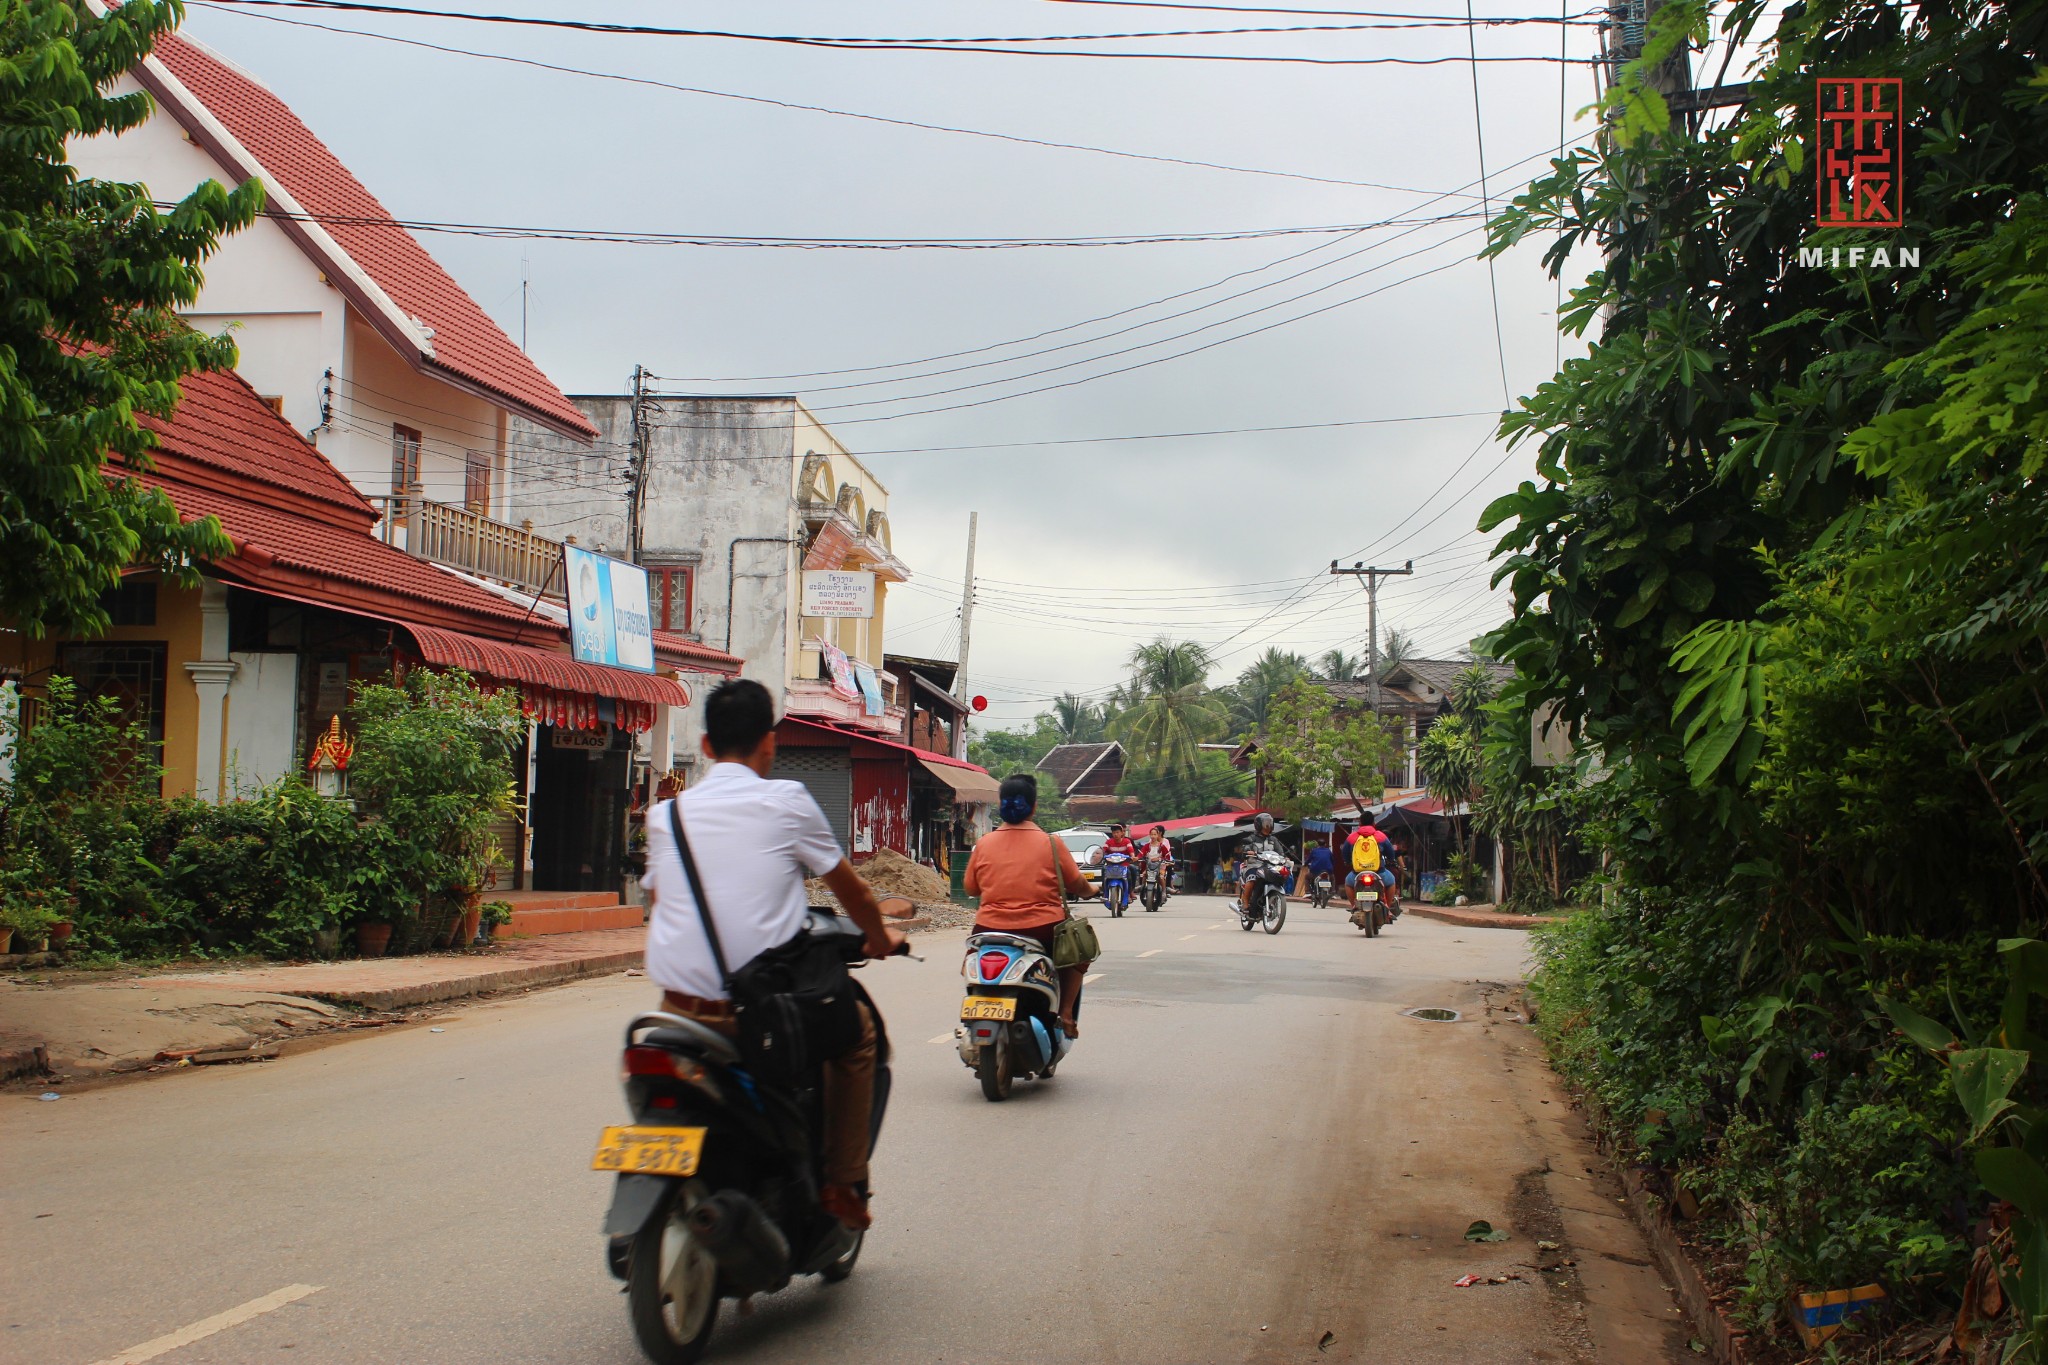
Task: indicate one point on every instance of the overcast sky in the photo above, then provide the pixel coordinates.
(1084, 548)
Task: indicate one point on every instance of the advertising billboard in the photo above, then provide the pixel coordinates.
(609, 621)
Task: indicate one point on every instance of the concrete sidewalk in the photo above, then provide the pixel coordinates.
(1477, 916)
(130, 1023)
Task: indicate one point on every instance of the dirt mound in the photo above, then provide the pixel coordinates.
(892, 874)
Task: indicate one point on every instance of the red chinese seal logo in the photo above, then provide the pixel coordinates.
(1859, 162)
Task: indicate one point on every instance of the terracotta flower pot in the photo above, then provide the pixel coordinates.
(60, 933)
(372, 939)
(6, 939)
(471, 919)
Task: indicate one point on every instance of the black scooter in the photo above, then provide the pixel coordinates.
(719, 1176)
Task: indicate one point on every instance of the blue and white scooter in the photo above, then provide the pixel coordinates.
(1010, 1020)
(1116, 883)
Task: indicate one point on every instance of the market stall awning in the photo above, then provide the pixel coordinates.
(524, 664)
(1220, 832)
(971, 786)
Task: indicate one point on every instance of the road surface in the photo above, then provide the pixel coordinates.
(1251, 1147)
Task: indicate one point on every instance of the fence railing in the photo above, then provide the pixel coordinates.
(465, 540)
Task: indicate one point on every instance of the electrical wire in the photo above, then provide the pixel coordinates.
(1486, 207)
(854, 43)
(799, 107)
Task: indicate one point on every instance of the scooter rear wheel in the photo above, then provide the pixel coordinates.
(841, 1268)
(672, 1286)
(992, 1069)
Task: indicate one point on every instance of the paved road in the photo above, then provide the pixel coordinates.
(1250, 1147)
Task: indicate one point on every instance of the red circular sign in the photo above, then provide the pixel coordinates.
(979, 703)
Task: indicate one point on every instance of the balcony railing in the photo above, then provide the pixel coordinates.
(465, 540)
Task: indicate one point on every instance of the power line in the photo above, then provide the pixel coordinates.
(1486, 206)
(855, 43)
(1334, 13)
(800, 107)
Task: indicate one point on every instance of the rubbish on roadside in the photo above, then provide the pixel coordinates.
(49, 1095)
(1324, 1344)
(1483, 1231)
(1465, 1282)
(634, 971)
(1547, 1246)
(1820, 1315)
(437, 1030)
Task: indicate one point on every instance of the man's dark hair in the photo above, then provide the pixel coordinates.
(737, 714)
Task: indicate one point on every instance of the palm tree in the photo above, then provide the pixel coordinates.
(1449, 757)
(1396, 646)
(1174, 712)
(1077, 720)
(1337, 666)
(1260, 684)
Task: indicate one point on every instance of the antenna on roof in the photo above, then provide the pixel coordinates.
(525, 278)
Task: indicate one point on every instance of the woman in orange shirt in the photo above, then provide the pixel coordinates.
(1019, 870)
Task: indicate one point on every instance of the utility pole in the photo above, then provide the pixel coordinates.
(966, 611)
(1370, 578)
(636, 466)
(525, 282)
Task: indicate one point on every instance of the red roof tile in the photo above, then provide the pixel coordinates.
(465, 340)
(223, 424)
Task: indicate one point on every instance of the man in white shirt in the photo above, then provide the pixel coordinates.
(754, 842)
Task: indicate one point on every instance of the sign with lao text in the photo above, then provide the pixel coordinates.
(609, 621)
(839, 592)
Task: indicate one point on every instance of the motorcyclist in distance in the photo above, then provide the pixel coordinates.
(1260, 840)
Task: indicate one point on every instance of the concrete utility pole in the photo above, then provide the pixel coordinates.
(636, 466)
(966, 611)
(1370, 579)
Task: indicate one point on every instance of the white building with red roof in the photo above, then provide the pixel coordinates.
(347, 326)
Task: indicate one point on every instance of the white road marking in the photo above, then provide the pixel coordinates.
(943, 1038)
(1092, 976)
(1224, 925)
(1151, 951)
(219, 1322)
(1185, 937)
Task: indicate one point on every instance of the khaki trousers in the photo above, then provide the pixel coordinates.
(849, 1092)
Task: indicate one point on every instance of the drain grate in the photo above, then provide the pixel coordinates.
(1435, 1014)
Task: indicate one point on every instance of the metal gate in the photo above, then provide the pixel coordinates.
(828, 773)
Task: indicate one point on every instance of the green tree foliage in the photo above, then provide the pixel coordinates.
(1336, 666)
(1171, 796)
(1175, 713)
(1314, 753)
(432, 773)
(1448, 755)
(91, 276)
(1251, 697)
(1396, 647)
(1781, 573)
(1078, 720)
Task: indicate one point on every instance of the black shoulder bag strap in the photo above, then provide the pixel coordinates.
(675, 823)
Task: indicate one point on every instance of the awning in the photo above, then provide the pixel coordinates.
(1221, 832)
(970, 786)
(544, 668)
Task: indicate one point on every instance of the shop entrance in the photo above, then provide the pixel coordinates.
(580, 795)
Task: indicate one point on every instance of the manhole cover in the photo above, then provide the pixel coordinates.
(1434, 1014)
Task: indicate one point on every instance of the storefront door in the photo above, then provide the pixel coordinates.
(579, 809)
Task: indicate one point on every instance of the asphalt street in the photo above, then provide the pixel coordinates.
(1251, 1155)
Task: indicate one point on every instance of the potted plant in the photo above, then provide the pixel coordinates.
(495, 916)
(372, 938)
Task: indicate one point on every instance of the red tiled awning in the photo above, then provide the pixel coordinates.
(525, 664)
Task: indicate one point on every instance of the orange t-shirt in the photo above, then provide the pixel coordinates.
(1011, 869)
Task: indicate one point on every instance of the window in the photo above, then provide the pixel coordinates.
(476, 481)
(405, 459)
(672, 590)
(132, 674)
(131, 604)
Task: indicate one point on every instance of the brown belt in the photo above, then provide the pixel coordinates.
(697, 1005)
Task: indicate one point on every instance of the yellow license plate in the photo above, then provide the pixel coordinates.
(649, 1151)
(987, 1007)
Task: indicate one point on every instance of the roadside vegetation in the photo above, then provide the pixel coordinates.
(1782, 577)
(90, 851)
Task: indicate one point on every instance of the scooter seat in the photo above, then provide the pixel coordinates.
(1002, 940)
(676, 1033)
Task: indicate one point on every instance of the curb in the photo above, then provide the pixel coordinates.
(1726, 1344)
(483, 983)
(1466, 918)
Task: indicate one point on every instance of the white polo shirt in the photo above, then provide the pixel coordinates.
(755, 841)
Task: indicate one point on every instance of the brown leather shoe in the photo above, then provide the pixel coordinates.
(848, 1205)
